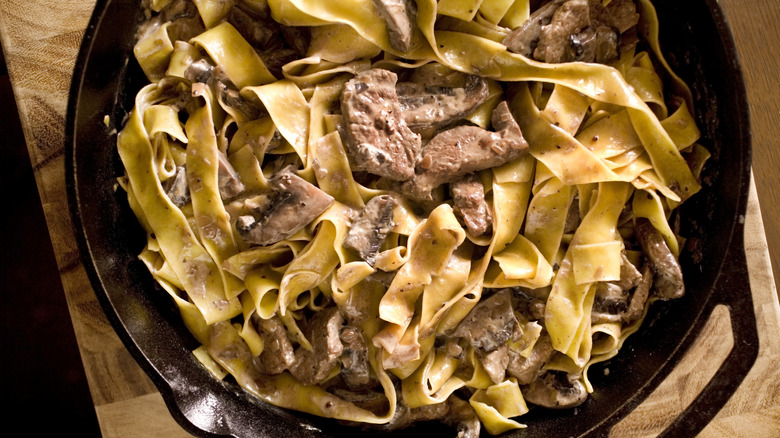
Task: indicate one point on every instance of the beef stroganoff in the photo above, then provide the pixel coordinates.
(393, 211)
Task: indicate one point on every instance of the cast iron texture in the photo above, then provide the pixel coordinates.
(702, 51)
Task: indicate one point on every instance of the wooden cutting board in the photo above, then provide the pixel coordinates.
(41, 39)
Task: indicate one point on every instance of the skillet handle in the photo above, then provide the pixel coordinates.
(733, 290)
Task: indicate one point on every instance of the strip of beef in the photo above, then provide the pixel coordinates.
(177, 188)
(278, 353)
(229, 182)
(400, 17)
(490, 323)
(467, 149)
(257, 30)
(370, 228)
(527, 369)
(468, 196)
(292, 204)
(530, 303)
(556, 390)
(495, 363)
(354, 358)
(324, 331)
(668, 280)
(184, 18)
(575, 30)
(525, 38)
(427, 107)
(555, 39)
(377, 137)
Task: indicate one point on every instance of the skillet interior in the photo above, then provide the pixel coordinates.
(701, 50)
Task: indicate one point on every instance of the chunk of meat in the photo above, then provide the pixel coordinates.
(527, 369)
(400, 16)
(426, 107)
(668, 279)
(314, 366)
(229, 182)
(377, 137)
(575, 30)
(490, 323)
(257, 30)
(554, 40)
(354, 358)
(466, 149)
(371, 227)
(595, 44)
(177, 188)
(184, 18)
(468, 196)
(530, 303)
(278, 353)
(292, 204)
(495, 363)
(525, 38)
(556, 390)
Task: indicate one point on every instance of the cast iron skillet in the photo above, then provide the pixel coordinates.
(701, 49)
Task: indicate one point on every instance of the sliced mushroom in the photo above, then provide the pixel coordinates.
(468, 196)
(278, 353)
(177, 188)
(200, 71)
(610, 303)
(668, 280)
(527, 369)
(629, 274)
(556, 390)
(292, 204)
(377, 137)
(371, 227)
(555, 39)
(314, 366)
(400, 16)
(466, 149)
(229, 182)
(636, 306)
(427, 107)
(490, 323)
(257, 30)
(354, 358)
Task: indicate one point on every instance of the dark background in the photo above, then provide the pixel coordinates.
(42, 381)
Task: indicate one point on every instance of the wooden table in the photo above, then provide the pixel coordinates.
(41, 39)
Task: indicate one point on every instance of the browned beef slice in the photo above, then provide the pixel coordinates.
(377, 137)
(527, 369)
(278, 353)
(618, 14)
(554, 41)
(466, 149)
(490, 324)
(354, 358)
(426, 106)
(370, 228)
(314, 366)
(468, 195)
(291, 205)
(399, 16)
(525, 38)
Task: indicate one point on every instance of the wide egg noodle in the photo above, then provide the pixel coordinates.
(199, 273)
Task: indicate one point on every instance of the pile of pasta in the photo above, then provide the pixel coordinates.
(604, 136)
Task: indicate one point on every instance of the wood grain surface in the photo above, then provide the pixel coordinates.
(41, 40)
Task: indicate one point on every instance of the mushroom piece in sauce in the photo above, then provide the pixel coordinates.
(556, 390)
(668, 279)
(292, 204)
(428, 107)
(400, 17)
(370, 228)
